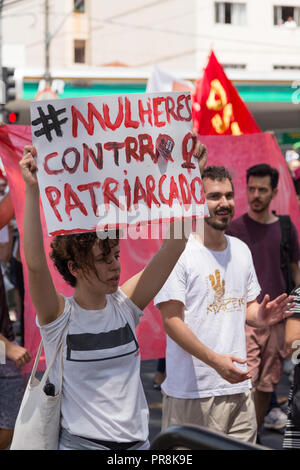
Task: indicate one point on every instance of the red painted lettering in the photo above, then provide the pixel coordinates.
(160, 190)
(150, 187)
(89, 125)
(143, 111)
(77, 160)
(174, 193)
(128, 121)
(70, 196)
(156, 103)
(90, 187)
(187, 154)
(184, 189)
(53, 195)
(131, 146)
(109, 193)
(89, 153)
(127, 191)
(46, 167)
(193, 189)
(119, 119)
(146, 147)
(170, 109)
(139, 192)
(115, 146)
(180, 106)
(188, 100)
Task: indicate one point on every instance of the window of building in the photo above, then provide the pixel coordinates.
(287, 16)
(230, 13)
(286, 67)
(79, 52)
(79, 6)
(234, 66)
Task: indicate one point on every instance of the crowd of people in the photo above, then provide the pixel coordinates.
(12, 381)
(229, 304)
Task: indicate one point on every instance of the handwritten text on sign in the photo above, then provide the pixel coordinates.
(115, 160)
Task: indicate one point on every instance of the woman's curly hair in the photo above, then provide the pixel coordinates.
(78, 249)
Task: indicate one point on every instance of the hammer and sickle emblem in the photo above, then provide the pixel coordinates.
(217, 100)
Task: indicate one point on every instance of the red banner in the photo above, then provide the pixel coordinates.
(237, 153)
(217, 107)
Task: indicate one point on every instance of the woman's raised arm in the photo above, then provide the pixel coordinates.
(48, 303)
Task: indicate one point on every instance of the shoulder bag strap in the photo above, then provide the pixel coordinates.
(59, 348)
(285, 247)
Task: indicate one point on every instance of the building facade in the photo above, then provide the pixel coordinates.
(114, 45)
(253, 36)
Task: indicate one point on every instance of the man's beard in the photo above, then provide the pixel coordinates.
(261, 208)
(219, 225)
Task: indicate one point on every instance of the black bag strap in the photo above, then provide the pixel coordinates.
(285, 248)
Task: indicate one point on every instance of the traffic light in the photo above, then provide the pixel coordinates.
(12, 117)
(17, 112)
(9, 83)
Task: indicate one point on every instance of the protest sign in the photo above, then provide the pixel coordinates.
(113, 161)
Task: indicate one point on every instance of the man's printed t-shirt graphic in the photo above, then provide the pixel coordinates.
(217, 286)
(220, 302)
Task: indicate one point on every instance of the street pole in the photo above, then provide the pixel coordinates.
(47, 46)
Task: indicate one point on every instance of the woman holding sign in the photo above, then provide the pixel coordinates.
(103, 403)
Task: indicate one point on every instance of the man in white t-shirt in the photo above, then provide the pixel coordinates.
(205, 303)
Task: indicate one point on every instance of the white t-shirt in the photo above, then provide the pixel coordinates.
(103, 396)
(214, 287)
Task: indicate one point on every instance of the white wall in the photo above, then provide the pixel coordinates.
(139, 36)
(175, 34)
(259, 43)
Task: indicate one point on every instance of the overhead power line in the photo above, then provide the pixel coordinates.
(201, 36)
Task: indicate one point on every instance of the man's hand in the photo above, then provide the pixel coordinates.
(18, 354)
(226, 368)
(271, 312)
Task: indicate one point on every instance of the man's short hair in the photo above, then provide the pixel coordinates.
(263, 169)
(216, 172)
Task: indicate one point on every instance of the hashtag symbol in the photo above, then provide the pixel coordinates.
(49, 122)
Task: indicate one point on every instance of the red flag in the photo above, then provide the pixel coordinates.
(217, 107)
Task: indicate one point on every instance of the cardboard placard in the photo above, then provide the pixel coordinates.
(116, 161)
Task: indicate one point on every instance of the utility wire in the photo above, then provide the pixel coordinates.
(7, 4)
(76, 4)
(15, 11)
(137, 9)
